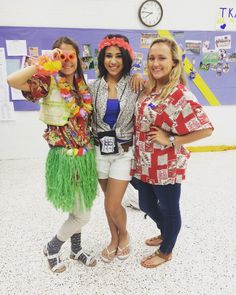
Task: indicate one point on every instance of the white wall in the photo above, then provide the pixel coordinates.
(22, 138)
(178, 15)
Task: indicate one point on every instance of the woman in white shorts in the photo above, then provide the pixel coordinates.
(114, 104)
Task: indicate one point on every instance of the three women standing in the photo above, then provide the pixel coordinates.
(166, 117)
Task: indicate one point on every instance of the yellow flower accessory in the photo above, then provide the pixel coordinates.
(47, 66)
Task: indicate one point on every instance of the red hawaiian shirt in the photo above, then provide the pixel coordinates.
(179, 114)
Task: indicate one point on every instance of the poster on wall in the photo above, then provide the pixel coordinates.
(223, 42)
(7, 111)
(16, 47)
(4, 90)
(193, 46)
(226, 17)
(6, 107)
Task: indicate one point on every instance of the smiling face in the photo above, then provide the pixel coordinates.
(69, 66)
(113, 62)
(160, 62)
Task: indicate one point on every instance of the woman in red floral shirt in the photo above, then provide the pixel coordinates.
(56, 81)
(167, 116)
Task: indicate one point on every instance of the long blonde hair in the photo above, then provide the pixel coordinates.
(177, 73)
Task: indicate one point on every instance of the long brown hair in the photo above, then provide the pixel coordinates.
(177, 73)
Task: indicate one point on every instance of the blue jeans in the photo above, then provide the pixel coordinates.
(161, 204)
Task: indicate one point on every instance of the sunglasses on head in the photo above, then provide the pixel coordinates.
(62, 56)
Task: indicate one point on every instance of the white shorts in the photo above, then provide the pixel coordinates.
(116, 166)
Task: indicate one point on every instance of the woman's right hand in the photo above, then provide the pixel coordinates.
(159, 135)
(137, 82)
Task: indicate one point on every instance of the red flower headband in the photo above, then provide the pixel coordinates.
(120, 42)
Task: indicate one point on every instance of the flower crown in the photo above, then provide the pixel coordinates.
(120, 42)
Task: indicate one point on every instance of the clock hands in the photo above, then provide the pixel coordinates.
(147, 13)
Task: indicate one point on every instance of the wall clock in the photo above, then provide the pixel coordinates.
(150, 13)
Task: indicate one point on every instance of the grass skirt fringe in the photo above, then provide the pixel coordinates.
(69, 178)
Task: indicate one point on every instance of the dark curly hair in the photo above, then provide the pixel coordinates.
(127, 60)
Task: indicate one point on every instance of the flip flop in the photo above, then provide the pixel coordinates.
(109, 256)
(120, 252)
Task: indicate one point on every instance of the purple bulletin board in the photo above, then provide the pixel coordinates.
(212, 55)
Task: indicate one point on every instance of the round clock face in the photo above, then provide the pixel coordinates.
(150, 13)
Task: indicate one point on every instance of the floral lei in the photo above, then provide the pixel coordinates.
(79, 108)
(47, 65)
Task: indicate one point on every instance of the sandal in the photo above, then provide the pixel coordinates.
(54, 261)
(123, 253)
(107, 256)
(155, 241)
(160, 259)
(83, 257)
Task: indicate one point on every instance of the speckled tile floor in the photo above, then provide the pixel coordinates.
(204, 258)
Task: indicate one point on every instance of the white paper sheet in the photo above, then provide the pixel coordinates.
(4, 89)
(6, 111)
(16, 47)
(16, 94)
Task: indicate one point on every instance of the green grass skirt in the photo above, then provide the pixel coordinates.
(69, 178)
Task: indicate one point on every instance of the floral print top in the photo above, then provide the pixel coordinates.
(73, 136)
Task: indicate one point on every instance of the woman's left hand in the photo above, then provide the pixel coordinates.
(158, 135)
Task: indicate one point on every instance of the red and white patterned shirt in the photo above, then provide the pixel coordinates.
(179, 114)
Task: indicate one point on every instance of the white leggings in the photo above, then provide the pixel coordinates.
(76, 219)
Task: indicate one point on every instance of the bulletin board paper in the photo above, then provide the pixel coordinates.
(217, 78)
